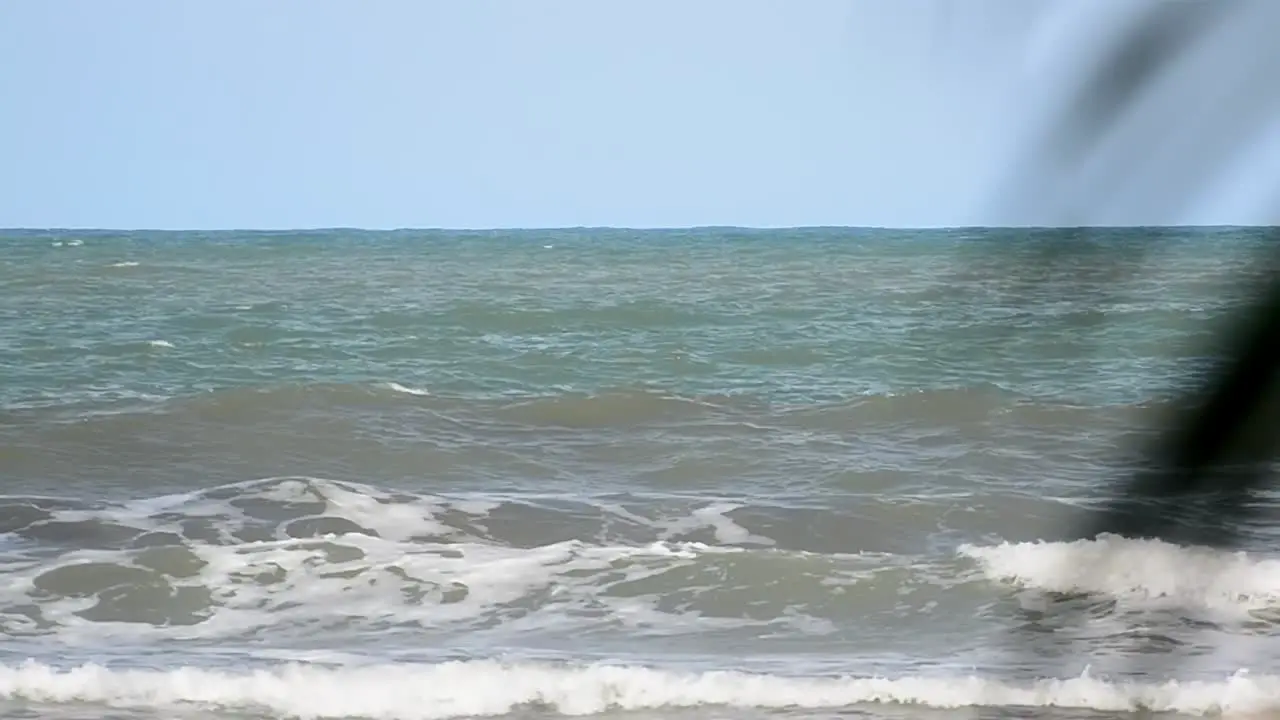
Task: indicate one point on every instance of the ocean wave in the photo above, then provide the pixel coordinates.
(299, 554)
(639, 407)
(1139, 572)
(304, 553)
(486, 688)
(406, 432)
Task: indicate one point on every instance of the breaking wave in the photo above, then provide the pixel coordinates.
(489, 688)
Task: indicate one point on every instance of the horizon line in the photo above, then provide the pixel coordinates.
(659, 228)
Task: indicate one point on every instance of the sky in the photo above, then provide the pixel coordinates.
(208, 114)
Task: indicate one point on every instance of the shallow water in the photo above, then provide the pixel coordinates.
(689, 474)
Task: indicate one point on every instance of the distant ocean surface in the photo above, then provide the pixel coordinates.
(709, 473)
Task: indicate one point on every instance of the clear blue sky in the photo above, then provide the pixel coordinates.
(489, 113)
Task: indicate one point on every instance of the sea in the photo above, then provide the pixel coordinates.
(605, 473)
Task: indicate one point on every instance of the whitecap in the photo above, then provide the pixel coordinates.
(397, 387)
(480, 688)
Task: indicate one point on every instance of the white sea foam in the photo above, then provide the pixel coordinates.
(726, 530)
(124, 264)
(403, 566)
(488, 688)
(160, 343)
(295, 556)
(397, 387)
(1137, 571)
(715, 517)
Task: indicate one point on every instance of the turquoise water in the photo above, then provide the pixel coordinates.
(602, 471)
(796, 316)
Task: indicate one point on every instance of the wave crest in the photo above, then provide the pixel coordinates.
(489, 688)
